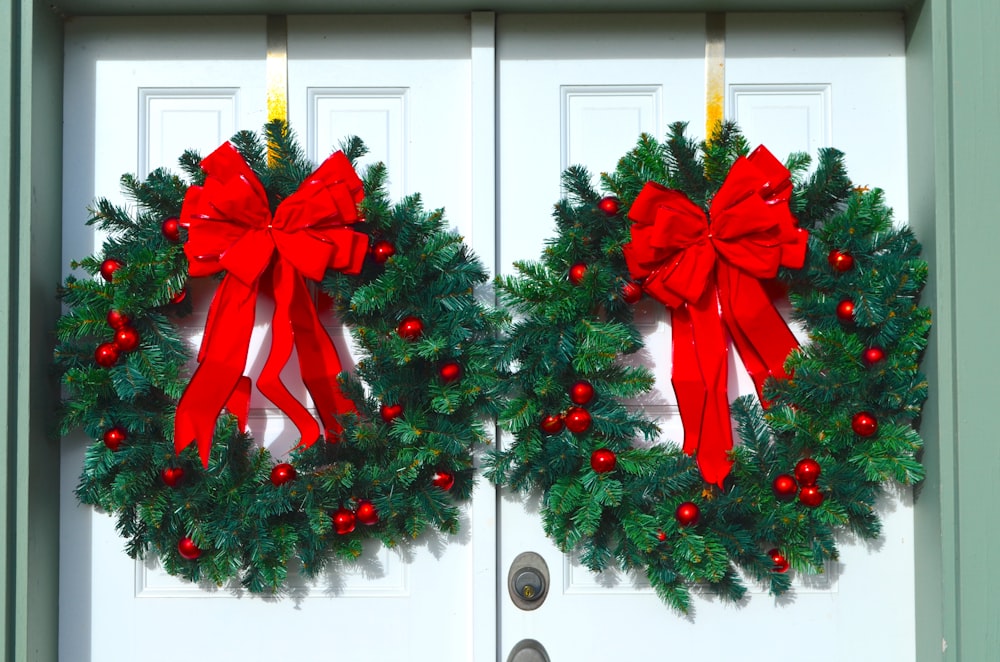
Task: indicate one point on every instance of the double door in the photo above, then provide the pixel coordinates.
(479, 114)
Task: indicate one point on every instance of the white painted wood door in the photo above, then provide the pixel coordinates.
(438, 98)
(579, 90)
(139, 92)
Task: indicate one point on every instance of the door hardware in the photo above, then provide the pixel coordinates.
(528, 581)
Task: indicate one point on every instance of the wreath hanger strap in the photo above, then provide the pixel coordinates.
(707, 269)
(230, 227)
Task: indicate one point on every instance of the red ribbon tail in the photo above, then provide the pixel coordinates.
(186, 428)
(319, 363)
(716, 442)
(239, 403)
(700, 381)
(689, 384)
(760, 335)
(282, 340)
(220, 371)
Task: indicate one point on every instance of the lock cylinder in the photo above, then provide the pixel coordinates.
(528, 581)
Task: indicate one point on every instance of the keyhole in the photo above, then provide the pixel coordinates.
(529, 583)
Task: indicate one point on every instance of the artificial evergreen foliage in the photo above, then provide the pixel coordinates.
(248, 528)
(566, 332)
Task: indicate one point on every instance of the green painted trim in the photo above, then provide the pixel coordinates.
(954, 97)
(974, 160)
(8, 213)
(926, 141)
(31, 247)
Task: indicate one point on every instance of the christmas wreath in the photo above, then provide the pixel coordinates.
(187, 482)
(713, 232)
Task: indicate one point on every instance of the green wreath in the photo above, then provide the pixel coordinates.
(399, 465)
(814, 462)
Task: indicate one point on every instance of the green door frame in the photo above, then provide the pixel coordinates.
(953, 102)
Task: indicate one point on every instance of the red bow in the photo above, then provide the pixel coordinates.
(230, 227)
(708, 271)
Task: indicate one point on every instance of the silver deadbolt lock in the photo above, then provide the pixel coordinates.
(528, 581)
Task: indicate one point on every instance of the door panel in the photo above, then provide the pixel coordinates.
(794, 83)
(824, 80)
(583, 99)
(400, 83)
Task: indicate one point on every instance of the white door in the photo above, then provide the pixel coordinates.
(579, 90)
(422, 92)
(139, 92)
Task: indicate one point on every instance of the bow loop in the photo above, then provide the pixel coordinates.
(226, 213)
(753, 226)
(776, 181)
(670, 247)
(327, 198)
(313, 221)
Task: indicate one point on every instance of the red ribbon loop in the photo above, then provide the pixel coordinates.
(230, 228)
(708, 271)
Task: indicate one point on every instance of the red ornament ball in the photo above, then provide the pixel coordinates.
(282, 473)
(576, 272)
(118, 319)
(811, 496)
(807, 471)
(784, 486)
(603, 460)
(343, 521)
(687, 513)
(109, 267)
(577, 420)
(840, 261)
(366, 513)
(187, 549)
(177, 298)
(115, 437)
(552, 424)
(779, 561)
(450, 372)
(410, 328)
(443, 479)
(171, 229)
(631, 292)
(581, 392)
(126, 338)
(106, 354)
(845, 311)
(609, 205)
(172, 476)
(864, 424)
(660, 535)
(873, 355)
(382, 251)
(389, 413)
